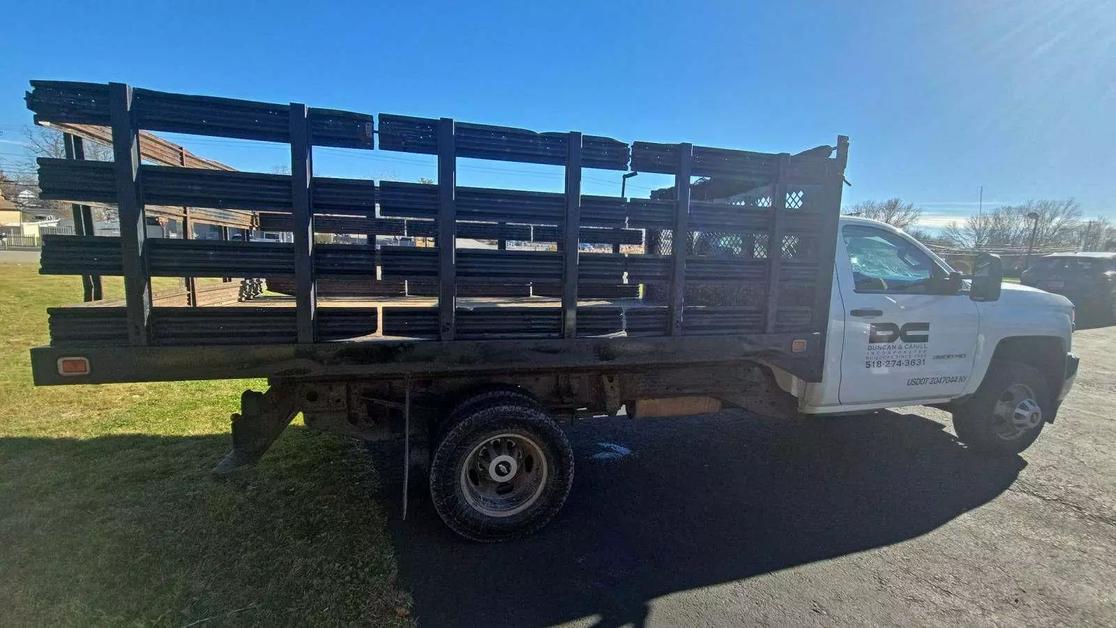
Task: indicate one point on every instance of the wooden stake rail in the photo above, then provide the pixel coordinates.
(787, 218)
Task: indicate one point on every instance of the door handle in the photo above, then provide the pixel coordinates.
(866, 313)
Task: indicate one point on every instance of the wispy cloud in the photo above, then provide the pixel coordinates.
(960, 204)
(939, 221)
(14, 142)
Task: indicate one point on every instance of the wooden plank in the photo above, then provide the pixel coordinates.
(133, 231)
(483, 141)
(247, 119)
(775, 239)
(218, 189)
(447, 229)
(570, 236)
(680, 236)
(153, 148)
(93, 181)
(302, 219)
(705, 161)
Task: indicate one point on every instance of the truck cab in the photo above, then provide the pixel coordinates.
(905, 329)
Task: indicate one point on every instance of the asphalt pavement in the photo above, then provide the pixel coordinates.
(734, 519)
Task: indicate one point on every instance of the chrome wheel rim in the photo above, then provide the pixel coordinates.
(504, 474)
(1016, 412)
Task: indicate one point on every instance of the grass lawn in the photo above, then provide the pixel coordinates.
(109, 515)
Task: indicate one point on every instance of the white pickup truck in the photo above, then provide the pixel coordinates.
(905, 329)
(743, 288)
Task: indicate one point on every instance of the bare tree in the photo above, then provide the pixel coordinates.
(1097, 235)
(48, 142)
(974, 233)
(928, 238)
(1057, 221)
(1011, 226)
(893, 211)
(9, 186)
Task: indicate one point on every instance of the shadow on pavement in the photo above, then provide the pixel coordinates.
(699, 501)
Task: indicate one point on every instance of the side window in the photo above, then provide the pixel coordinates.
(884, 262)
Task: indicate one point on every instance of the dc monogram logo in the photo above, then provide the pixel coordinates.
(884, 333)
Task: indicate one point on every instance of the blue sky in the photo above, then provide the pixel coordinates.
(939, 98)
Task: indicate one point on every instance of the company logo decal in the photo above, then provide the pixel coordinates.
(891, 345)
(890, 332)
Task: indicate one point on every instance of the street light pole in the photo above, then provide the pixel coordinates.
(624, 183)
(1031, 247)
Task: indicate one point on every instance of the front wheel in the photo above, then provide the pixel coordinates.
(501, 472)
(1007, 413)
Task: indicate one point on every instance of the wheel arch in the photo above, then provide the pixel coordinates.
(1046, 353)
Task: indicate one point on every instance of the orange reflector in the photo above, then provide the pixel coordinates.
(73, 366)
(798, 345)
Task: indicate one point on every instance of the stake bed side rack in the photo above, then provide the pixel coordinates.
(708, 277)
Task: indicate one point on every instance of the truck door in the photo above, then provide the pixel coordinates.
(905, 338)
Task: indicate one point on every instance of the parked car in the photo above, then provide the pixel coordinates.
(1087, 279)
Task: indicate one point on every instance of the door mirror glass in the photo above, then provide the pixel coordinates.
(988, 278)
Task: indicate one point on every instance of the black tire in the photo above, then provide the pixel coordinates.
(978, 423)
(497, 396)
(451, 468)
(483, 398)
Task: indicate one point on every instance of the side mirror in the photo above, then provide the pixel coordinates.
(988, 278)
(946, 284)
(951, 283)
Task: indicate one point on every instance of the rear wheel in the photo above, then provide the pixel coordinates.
(501, 471)
(1007, 413)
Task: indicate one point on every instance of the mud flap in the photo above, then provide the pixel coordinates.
(262, 418)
